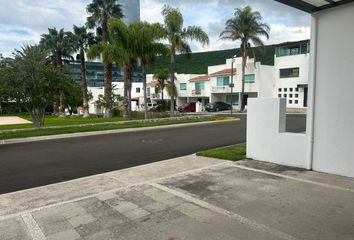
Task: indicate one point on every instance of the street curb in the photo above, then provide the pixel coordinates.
(96, 133)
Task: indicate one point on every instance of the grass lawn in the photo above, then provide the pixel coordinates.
(76, 129)
(50, 121)
(233, 153)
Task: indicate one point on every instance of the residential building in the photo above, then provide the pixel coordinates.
(258, 81)
(291, 66)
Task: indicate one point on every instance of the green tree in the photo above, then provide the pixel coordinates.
(148, 49)
(101, 11)
(245, 26)
(81, 40)
(172, 91)
(60, 47)
(162, 75)
(124, 51)
(31, 78)
(178, 37)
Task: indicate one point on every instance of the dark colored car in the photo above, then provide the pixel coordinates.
(189, 107)
(217, 106)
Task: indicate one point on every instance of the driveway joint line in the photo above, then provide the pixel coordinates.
(4, 217)
(252, 224)
(33, 227)
(293, 178)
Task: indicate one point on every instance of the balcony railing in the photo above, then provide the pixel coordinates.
(197, 93)
(220, 89)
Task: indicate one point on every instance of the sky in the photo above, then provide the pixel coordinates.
(23, 21)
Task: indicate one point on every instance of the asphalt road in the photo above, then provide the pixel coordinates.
(34, 164)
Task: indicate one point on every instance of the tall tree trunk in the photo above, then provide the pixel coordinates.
(61, 104)
(130, 92)
(162, 89)
(173, 67)
(126, 88)
(59, 60)
(144, 66)
(107, 68)
(84, 84)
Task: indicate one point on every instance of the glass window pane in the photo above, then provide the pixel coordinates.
(183, 86)
(250, 78)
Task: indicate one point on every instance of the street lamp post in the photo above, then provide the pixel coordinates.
(232, 82)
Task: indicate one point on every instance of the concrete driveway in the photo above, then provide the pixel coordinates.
(12, 120)
(186, 198)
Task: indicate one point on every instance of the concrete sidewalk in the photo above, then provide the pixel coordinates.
(186, 198)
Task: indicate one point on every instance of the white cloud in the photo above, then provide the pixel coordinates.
(23, 21)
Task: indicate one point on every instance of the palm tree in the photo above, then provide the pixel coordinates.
(171, 90)
(161, 75)
(59, 44)
(81, 40)
(246, 26)
(101, 12)
(177, 37)
(148, 48)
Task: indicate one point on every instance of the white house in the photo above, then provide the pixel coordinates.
(137, 95)
(291, 70)
(258, 81)
(327, 145)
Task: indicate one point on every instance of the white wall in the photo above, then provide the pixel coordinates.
(334, 98)
(265, 80)
(266, 136)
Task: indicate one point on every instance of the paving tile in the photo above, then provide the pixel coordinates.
(103, 235)
(81, 220)
(89, 229)
(112, 220)
(173, 201)
(65, 235)
(123, 206)
(53, 224)
(14, 229)
(155, 207)
(136, 213)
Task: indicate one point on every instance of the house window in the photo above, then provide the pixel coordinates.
(290, 89)
(290, 101)
(296, 95)
(285, 89)
(183, 86)
(279, 95)
(137, 90)
(279, 89)
(234, 99)
(199, 86)
(250, 78)
(289, 72)
(296, 89)
(296, 101)
(290, 95)
(148, 93)
(221, 82)
(284, 95)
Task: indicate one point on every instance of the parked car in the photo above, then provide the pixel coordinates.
(217, 106)
(189, 107)
(152, 106)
